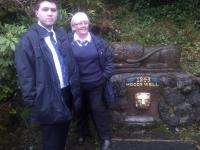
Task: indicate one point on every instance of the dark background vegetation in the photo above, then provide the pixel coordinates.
(147, 22)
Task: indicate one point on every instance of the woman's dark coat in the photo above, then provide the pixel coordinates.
(105, 60)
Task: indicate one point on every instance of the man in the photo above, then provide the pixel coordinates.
(48, 76)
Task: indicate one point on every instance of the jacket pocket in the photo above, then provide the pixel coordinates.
(48, 107)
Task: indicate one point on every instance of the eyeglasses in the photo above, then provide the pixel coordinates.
(82, 23)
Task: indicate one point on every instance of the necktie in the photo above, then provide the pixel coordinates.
(83, 43)
(60, 57)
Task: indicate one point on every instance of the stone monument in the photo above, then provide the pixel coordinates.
(150, 86)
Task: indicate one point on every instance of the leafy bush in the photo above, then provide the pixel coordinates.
(9, 36)
(10, 107)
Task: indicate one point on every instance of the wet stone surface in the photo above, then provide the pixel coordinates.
(152, 145)
(175, 98)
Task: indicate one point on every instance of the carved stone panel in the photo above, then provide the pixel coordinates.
(143, 92)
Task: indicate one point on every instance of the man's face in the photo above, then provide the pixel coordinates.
(47, 14)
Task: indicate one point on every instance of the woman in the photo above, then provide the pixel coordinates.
(94, 59)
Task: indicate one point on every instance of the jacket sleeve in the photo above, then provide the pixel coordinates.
(107, 61)
(74, 81)
(25, 71)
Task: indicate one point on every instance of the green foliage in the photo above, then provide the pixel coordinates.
(64, 17)
(174, 23)
(91, 7)
(190, 132)
(15, 10)
(85, 5)
(190, 57)
(9, 36)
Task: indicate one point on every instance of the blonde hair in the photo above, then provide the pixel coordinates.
(78, 17)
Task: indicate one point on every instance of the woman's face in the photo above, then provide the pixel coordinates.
(82, 28)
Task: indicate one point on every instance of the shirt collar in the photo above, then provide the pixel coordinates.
(51, 30)
(88, 38)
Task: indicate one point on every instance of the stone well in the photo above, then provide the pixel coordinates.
(151, 88)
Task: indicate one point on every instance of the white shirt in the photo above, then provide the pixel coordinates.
(76, 38)
(55, 56)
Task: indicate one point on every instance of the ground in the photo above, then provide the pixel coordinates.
(161, 137)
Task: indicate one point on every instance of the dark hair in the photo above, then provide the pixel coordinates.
(38, 2)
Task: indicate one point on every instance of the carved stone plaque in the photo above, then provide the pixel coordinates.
(143, 92)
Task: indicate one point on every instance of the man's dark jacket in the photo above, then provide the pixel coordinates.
(39, 82)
